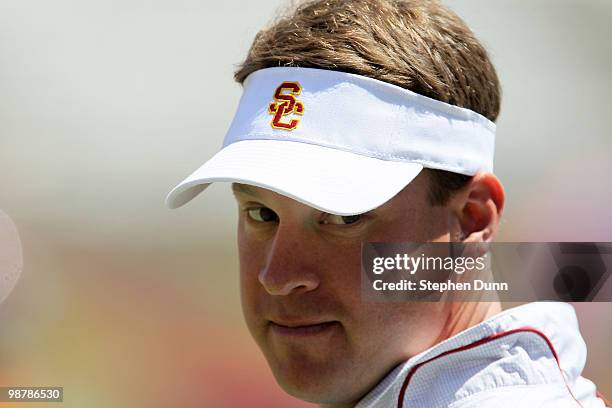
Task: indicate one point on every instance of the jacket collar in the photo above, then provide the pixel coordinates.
(542, 339)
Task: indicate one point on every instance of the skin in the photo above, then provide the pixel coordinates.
(300, 285)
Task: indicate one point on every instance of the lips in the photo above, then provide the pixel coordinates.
(303, 328)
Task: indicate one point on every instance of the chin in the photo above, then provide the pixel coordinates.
(315, 383)
(316, 394)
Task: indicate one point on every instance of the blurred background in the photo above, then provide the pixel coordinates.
(106, 105)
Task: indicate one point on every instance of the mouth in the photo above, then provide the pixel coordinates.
(303, 329)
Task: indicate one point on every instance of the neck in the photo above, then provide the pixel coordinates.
(464, 315)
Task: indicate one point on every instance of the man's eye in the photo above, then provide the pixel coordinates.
(262, 214)
(340, 219)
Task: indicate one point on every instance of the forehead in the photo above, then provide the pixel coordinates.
(248, 189)
(260, 193)
(266, 196)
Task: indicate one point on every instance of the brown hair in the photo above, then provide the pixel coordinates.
(419, 45)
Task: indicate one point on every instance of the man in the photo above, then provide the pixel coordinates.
(365, 121)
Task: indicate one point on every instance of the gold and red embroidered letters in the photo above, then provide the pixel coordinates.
(285, 103)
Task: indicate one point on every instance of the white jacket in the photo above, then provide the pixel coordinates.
(528, 356)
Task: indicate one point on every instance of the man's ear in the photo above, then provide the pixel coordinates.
(478, 207)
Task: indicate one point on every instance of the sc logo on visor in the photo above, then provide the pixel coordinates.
(285, 103)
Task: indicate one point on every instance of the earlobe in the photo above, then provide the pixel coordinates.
(479, 207)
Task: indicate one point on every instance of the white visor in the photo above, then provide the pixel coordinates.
(341, 143)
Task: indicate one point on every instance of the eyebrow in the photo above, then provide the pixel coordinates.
(244, 189)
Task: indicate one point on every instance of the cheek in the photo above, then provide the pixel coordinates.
(251, 262)
(251, 254)
(422, 225)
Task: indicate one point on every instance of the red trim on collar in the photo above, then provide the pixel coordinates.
(402, 393)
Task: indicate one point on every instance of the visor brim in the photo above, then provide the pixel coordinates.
(330, 180)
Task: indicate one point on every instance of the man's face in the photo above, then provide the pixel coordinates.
(300, 288)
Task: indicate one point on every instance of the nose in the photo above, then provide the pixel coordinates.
(291, 264)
